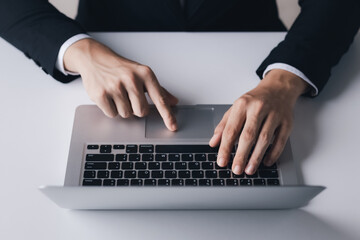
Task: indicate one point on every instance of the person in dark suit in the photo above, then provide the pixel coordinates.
(300, 64)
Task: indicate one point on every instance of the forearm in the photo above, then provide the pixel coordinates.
(321, 34)
(38, 29)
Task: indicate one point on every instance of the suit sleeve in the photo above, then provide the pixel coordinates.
(38, 29)
(321, 34)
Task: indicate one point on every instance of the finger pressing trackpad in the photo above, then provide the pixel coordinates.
(193, 122)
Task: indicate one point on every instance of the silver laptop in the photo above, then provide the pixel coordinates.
(137, 163)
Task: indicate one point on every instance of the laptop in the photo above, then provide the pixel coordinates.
(137, 163)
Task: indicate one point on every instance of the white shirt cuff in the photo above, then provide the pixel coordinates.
(60, 58)
(293, 70)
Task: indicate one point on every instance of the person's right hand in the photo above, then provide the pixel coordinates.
(116, 84)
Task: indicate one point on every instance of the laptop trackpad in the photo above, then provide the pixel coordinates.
(193, 122)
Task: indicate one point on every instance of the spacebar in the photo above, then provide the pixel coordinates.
(185, 149)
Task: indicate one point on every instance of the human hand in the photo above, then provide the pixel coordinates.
(116, 84)
(258, 118)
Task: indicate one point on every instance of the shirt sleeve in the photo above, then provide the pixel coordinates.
(60, 58)
(297, 72)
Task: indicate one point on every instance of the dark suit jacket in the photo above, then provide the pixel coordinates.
(321, 34)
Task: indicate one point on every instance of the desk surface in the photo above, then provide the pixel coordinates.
(36, 121)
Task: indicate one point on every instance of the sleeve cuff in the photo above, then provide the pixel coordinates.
(295, 71)
(60, 58)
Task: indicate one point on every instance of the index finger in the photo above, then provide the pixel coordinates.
(160, 100)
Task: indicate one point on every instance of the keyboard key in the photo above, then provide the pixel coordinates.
(134, 157)
(160, 157)
(255, 175)
(207, 165)
(92, 146)
(109, 182)
(200, 157)
(103, 174)
(184, 174)
(131, 148)
(130, 174)
(148, 157)
(245, 182)
(174, 157)
(114, 165)
(212, 157)
(144, 174)
(116, 174)
(187, 157)
(185, 149)
(259, 182)
(154, 165)
(238, 176)
(224, 174)
(262, 166)
(95, 165)
(92, 182)
(164, 182)
(218, 167)
(218, 182)
(136, 182)
(150, 182)
(146, 149)
(122, 182)
(194, 165)
(167, 165)
(191, 182)
(232, 182)
(89, 174)
(121, 157)
(105, 149)
(170, 174)
(180, 165)
(119, 146)
(177, 182)
(127, 165)
(204, 182)
(157, 174)
(100, 157)
(197, 174)
(273, 182)
(211, 174)
(268, 173)
(140, 165)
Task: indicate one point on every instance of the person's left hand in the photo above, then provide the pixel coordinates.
(258, 118)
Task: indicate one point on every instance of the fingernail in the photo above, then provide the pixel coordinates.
(250, 170)
(237, 170)
(221, 162)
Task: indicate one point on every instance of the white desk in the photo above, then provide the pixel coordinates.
(36, 121)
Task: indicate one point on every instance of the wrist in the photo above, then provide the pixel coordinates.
(285, 82)
(77, 55)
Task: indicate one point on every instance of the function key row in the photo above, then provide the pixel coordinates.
(106, 157)
(149, 148)
(180, 182)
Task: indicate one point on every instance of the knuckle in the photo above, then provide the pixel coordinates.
(265, 137)
(145, 70)
(230, 133)
(248, 134)
(162, 100)
(241, 102)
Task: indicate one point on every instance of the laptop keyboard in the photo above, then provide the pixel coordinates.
(165, 165)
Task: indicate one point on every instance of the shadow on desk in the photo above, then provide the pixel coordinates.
(307, 111)
(270, 224)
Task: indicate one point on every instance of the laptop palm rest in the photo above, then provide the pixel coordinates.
(193, 123)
